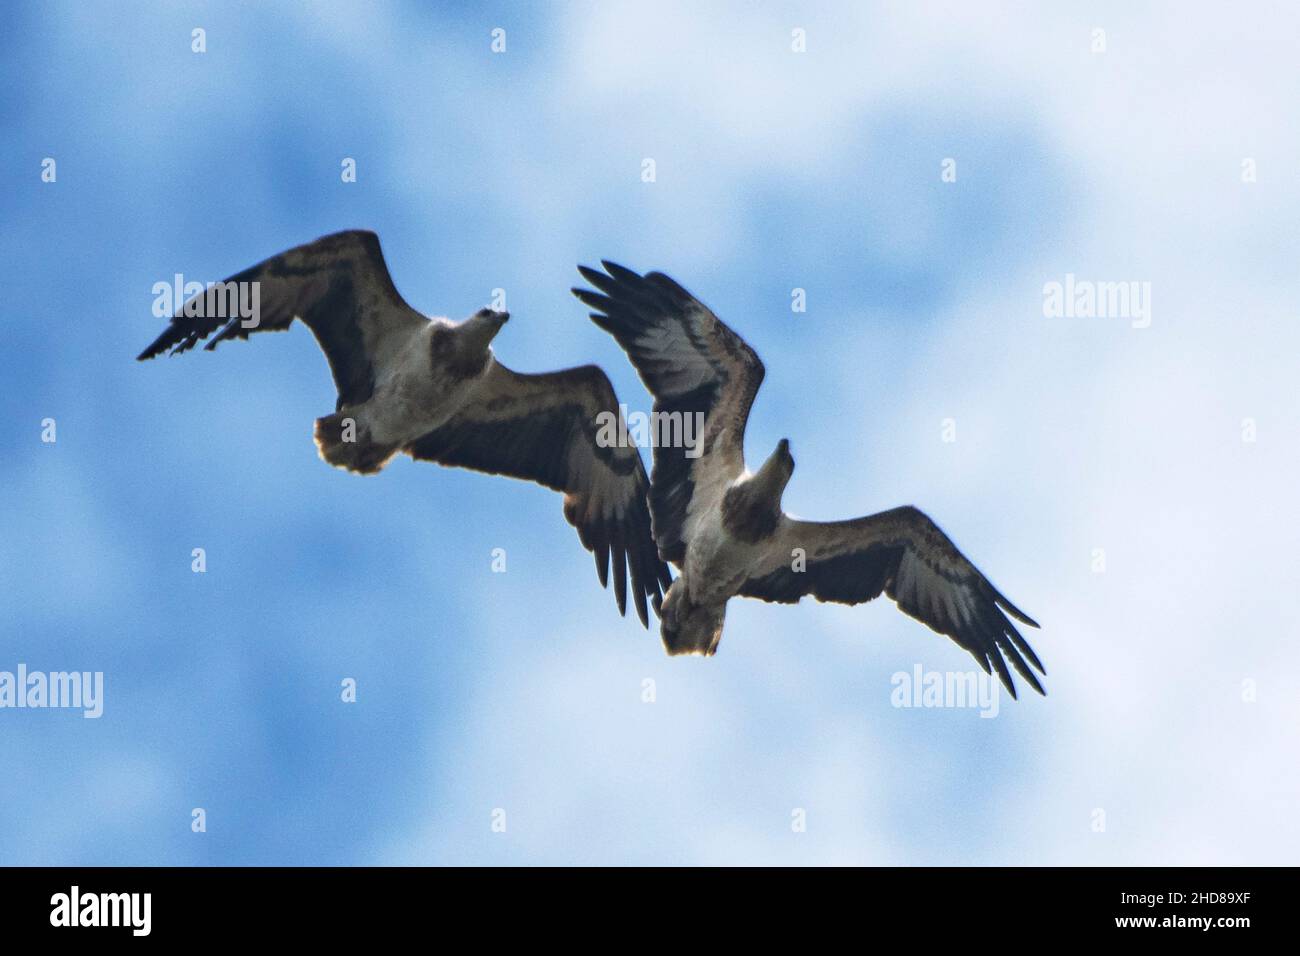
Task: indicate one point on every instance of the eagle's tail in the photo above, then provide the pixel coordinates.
(345, 442)
(688, 628)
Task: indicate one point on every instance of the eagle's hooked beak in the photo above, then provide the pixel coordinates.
(778, 468)
(783, 457)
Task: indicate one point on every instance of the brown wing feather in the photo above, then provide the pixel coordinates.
(338, 285)
(545, 428)
(692, 363)
(903, 554)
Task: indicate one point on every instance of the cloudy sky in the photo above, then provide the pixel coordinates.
(1126, 479)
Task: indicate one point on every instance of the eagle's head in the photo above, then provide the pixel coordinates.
(780, 465)
(463, 348)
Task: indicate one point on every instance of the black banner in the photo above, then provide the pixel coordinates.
(94, 905)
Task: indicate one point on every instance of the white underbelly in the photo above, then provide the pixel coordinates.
(716, 563)
(411, 399)
(407, 410)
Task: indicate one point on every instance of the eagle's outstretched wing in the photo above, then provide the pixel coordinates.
(903, 554)
(692, 364)
(338, 285)
(548, 429)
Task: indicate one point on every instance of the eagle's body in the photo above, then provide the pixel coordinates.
(723, 542)
(432, 389)
(412, 396)
(724, 526)
(422, 388)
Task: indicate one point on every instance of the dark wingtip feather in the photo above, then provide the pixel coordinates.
(1031, 679)
(1023, 646)
(1003, 673)
(620, 574)
(1011, 609)
(593, 299)
(641, 587)
(588, 273)
(1019, 664)
(621, 273)
(158, 345)
(638, 598)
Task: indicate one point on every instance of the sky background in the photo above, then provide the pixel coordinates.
(775, 170)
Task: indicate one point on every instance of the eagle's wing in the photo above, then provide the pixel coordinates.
(905, 555)
(338, 285)
(548, 429)
(692, 364)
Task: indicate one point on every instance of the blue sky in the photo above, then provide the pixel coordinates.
(775, 170)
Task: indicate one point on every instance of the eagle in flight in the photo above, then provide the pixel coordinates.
(723, 525)
(434, 390)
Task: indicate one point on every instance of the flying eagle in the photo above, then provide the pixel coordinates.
(723, 526)
(433, 389)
